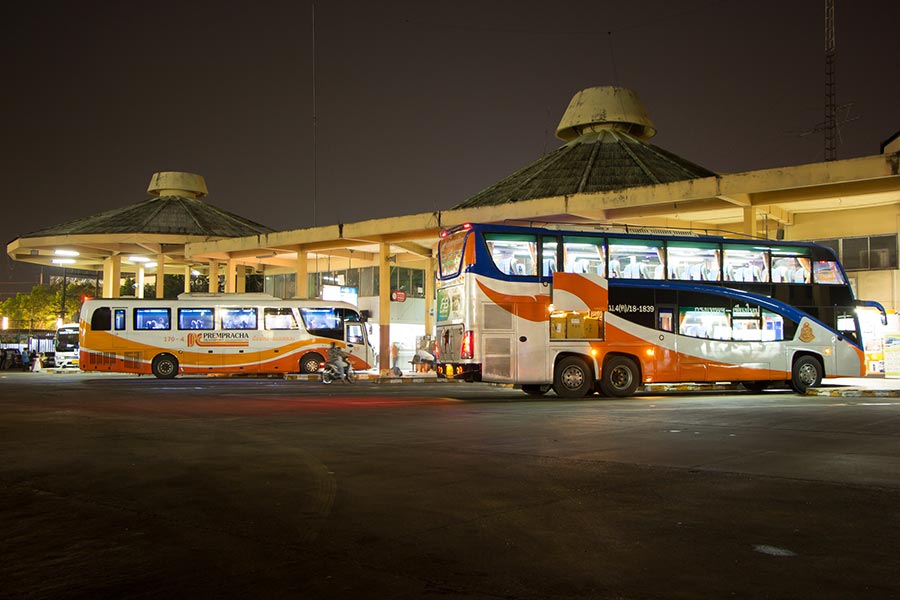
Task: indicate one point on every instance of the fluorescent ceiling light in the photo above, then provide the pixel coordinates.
(65, 252)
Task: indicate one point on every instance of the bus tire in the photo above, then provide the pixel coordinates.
(620, 377)
(572, 378)
(807, 373)
(165, 366)
(535, 389)
(309, 363)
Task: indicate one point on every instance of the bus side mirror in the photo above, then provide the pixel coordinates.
(364, 315)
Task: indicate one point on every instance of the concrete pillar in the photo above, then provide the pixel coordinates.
(301, 289)
(213, 276)
(240, 286)
(429, 297)
(750, 221)
(230, 276)
(160, 275)
(139, 281)
(112, 274)
(384, 307)
(187, 279)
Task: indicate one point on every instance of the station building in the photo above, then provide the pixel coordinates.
(605, 172)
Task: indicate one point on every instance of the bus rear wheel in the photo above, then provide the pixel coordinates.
(165, 366)
(807, 373)
(309, 363)
(572, 378)
(620, 377)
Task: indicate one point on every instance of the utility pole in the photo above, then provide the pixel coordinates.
(830, 85)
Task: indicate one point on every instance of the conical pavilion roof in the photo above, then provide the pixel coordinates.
(606, 129)
(176, 215)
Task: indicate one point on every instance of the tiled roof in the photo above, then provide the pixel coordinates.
(163, 215)
(598, 161)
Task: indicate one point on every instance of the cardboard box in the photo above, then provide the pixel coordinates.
(592, 327)
(575, 325)
(557, 326)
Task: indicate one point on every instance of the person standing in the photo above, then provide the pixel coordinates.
(26, 361)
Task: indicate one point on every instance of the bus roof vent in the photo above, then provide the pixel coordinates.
(605, 107)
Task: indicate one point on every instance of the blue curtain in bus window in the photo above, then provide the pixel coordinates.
(152, 318)
(196, 318)
(238, 318)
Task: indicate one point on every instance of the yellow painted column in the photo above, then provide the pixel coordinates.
(230, 276)
(301, 289)
(112, 274)
(429, 297)
(187, 279)
(160, 275)
(384, 307)
(213, 276)
(139, 281)
(750, 225)
(240, 286)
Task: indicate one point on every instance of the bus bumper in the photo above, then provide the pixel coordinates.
(464, 371)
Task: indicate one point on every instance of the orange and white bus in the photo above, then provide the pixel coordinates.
(218, 333)
(585, 311)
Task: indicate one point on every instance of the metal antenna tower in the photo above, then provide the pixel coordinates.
(830, 85)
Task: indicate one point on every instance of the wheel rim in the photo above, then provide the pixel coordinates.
(165, 367)
(311, 365)
(572, 378)
(621, 378)
(807, 374)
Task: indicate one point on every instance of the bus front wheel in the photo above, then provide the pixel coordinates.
(807, 373)
(572, 378)
(310, 362)
(165, 366)
(620, 377)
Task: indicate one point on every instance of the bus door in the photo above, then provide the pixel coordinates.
(532, 356)
(358, 342)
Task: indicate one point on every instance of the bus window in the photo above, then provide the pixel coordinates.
(279, 318)
(693, 261)
(322, 321)
(745, 322)
(120, 319)
(710, 322)
(549, 247)
(513, 254)
(238, 318)
(196, 318)
(827, 272)
(451, 253)
(355, 333)
(774, 327)
(584, 255)
(745, 263)
(152, 318)
(665, 319)
(791, 265)
(635, 259)
(101, 320)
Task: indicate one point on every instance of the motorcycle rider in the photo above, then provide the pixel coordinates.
(339, 358)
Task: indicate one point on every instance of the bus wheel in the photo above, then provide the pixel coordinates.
(807, 373)
(572, 378)
(620, 377)
(309, 363)
(535, 389)
(165, 366)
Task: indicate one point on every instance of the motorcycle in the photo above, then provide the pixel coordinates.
(329, 372)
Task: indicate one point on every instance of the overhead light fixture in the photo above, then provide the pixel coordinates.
(62, 261)
(150, 265)
(138, 259)
(65, 252)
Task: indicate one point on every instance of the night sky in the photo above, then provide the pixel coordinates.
(420, 105)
